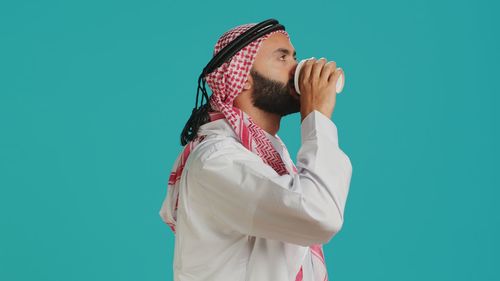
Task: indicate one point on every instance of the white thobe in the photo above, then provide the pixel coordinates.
(238, 220)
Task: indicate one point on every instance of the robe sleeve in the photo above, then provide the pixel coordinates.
(248, 196)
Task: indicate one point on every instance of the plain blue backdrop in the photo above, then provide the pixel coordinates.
(94, 94)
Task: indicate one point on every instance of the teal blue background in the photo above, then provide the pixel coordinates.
(94, 94)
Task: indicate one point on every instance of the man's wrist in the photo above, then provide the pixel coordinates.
(305, 112)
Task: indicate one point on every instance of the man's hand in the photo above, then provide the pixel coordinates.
(317, 80)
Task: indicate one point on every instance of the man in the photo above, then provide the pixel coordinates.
(239, 207)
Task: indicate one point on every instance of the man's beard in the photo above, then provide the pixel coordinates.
(273, 96)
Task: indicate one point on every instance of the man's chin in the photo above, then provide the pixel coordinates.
(282, 112)
(292, 109)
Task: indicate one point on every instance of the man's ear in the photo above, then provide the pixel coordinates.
(249, 83)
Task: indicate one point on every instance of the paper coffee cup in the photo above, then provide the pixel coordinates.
(338, 87)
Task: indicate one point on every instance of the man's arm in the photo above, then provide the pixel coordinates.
(249, 196)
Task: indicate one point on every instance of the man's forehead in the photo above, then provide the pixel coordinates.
(278, 42)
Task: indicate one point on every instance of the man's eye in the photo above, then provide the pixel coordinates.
(283, 57)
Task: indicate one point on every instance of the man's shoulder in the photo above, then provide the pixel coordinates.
(214, 146)
(219, 148)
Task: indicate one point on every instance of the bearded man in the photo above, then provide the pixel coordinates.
(238, 205)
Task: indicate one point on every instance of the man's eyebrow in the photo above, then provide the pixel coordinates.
(285, 51)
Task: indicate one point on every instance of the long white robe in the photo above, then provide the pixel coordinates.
(238, 219)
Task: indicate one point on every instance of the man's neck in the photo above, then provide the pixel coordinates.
(269, 122)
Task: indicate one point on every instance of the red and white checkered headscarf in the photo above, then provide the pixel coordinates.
(226, 82)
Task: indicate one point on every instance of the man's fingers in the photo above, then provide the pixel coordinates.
(334, 76)
(316, 69)
(305, 71)
(328, 68)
